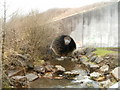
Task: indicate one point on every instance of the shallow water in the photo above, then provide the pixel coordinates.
(49, 83)
(52, 83)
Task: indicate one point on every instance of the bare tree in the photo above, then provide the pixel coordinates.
(4, 30)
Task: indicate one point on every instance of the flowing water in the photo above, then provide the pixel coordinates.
(52, 83)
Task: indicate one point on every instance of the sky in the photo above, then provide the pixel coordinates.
(26, 6)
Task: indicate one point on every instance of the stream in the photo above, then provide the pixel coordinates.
(54, 83)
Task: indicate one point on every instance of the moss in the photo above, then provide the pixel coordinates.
(103, 51)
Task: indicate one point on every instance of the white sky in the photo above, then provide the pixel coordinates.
(25, 6)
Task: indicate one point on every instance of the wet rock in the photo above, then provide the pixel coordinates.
(48, 75)
(39, 69)
(71, 74)
(93, 58)
(98, 60)
(104, 68)
(92, 67)
(59, 68)
(31, 77)
(95, 74)
(101, 78)
(58, 78)
(105, 84)
(49, 68)
(115, 73)
(82, 74)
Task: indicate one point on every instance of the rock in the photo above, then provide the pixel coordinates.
(116, 85)
(95, 74)
(71, 74)
(104, 68)
(101, 78)
(82, 74)
(92, 67)
(106, 57)
(98, 60)
(39, 69)
(88, 50)
(19, 78)
(30, 65)
(31, 77)
(25, 57)
(58, 78)
(115, 73)
(93, 58)
(90, 54)
(74, 60)
(15, 72)
(83, 60)
(78, 52)
(19, 81)
(59, 68)
(48, 75)
(49, 68)
(105, 84)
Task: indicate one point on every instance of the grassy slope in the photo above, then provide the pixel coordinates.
(103, 51)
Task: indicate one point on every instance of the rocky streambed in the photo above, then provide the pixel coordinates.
(85, 69)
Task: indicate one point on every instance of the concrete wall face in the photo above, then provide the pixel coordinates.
(98, 27)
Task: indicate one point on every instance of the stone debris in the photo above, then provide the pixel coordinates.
(90, 55)
(39, 69)
(59, 68)
(71, 74)
(90, 74)
(31, 76)
(88, 50)
(93, 58)
(98, 60)
(19, 81)
(105, 84)
(18, 78)
(95, 74)
(116, 73)
(94, 66)
(49, 68)
(15, 72)
(104, 68)
(101, 78)
(48, 75)
(116, 85)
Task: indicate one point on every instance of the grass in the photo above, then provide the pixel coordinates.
(103, 51)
